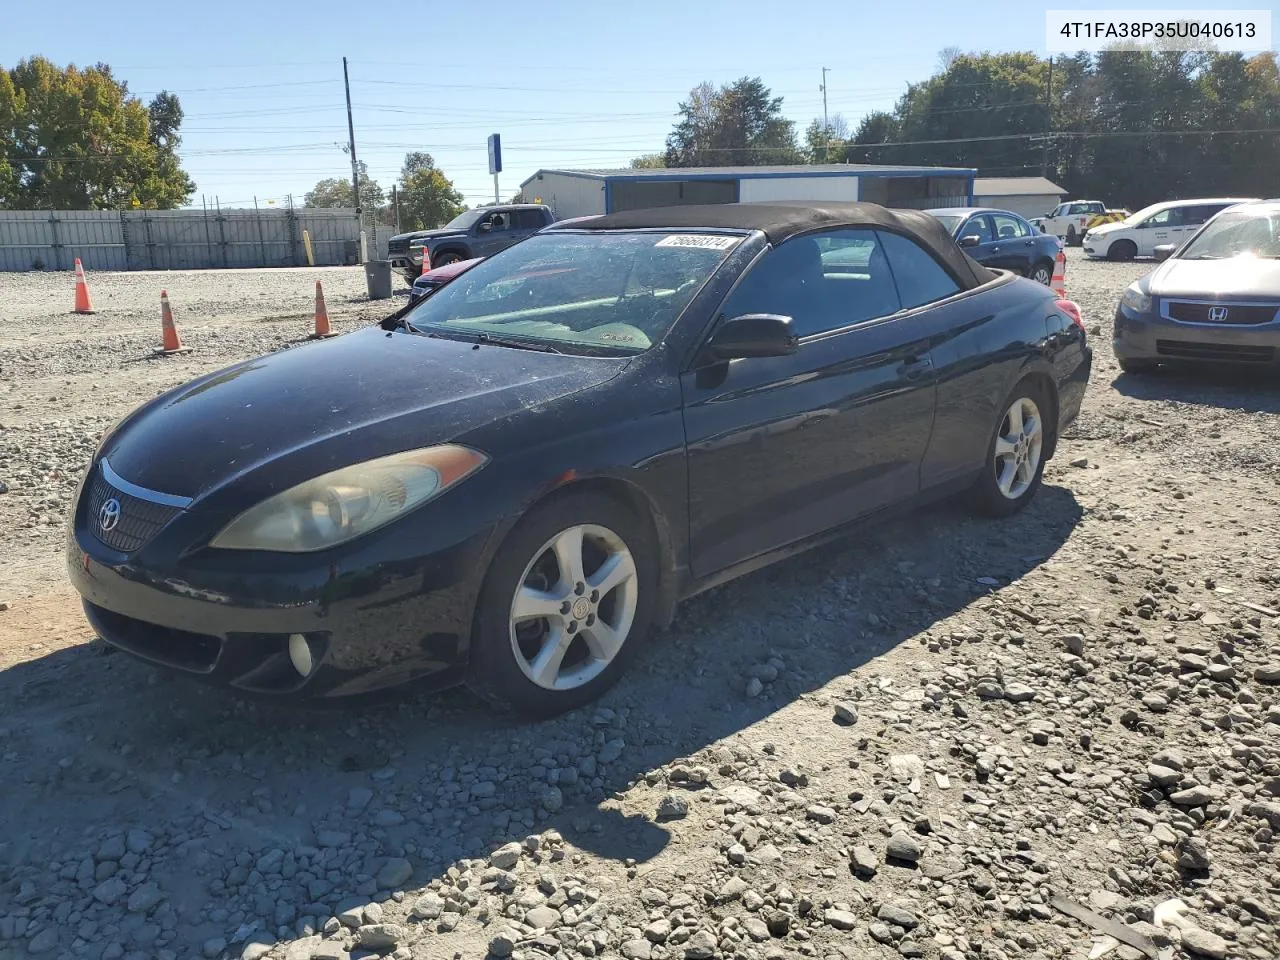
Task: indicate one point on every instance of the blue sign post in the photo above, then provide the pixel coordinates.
(495, 163)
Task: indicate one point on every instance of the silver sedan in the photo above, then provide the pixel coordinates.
(1215, 299)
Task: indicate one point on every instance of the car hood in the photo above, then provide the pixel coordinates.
(1234, 277)
(1103, 229)
(325, 405)
(429, 235)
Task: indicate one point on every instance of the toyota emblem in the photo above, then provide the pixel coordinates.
(109, 515)
(1217, 314)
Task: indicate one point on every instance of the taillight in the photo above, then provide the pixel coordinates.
(1072, 310)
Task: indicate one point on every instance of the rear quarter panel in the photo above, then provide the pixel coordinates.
(989, 340)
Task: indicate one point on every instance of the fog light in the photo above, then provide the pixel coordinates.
(300, 654)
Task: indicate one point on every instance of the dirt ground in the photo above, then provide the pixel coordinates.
(948, 738)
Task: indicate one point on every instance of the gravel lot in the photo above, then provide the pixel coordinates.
(950, 738)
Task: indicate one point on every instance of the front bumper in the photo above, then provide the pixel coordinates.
(1153, 337)
(228, 619)
(404, 265)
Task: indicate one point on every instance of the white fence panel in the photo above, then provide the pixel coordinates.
(182, 239)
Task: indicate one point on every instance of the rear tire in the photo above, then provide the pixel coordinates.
(543, 640)
(1137, 366)
(1122, 251)
(446, 258)
(1014, 462)
(1042, 272)
(1072, 240)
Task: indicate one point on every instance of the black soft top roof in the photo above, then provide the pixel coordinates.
(780, 221)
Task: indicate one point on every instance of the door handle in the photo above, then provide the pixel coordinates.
(995, 249)
(913, 368)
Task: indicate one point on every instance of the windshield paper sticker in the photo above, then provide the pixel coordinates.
(699, 240)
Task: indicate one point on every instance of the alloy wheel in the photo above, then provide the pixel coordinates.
(1018, 448)
(574, 607)
(1042, 274)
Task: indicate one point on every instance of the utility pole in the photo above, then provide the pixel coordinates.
(355, 167)
(395, 205)
(1048, 122)
(826, 125)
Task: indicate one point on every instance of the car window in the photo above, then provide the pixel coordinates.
(618, 292)
(1194, 216)
(1009, 228)
(979, 227)
(1081, 208)
(920, 278)
(822, 282)
(529, 219)
(1061, 210)
(1164, 218)
(1249, 233)
(500, 221)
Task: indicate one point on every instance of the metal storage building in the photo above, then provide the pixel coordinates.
(581, 193)
(1027, 196)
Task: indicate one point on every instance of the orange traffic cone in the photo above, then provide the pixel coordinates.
(322, 316)
(172, 344)
(83, 305)
(1058, 282)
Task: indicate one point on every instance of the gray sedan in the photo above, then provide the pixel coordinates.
(1216, 299)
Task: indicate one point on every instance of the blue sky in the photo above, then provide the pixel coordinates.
(567, 83)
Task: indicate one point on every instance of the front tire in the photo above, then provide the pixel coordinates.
(446, 258)
(1014, 465)
(1122, 251)
(567, 601)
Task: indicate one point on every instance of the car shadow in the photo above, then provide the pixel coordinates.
(100, 742)
(1254, 390)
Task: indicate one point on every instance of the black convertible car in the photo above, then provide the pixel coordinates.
(508, 483)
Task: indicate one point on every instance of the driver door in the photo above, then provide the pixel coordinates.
(1156, 230)
(783, 448)
(492, 234)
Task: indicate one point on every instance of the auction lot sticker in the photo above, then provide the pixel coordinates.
(699, 240)
(1226, 31)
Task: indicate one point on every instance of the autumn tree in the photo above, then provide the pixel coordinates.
(336, 192)
(76, 139)
(740, 124)
(427, 197)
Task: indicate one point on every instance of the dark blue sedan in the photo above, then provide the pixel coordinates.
(1002, 239)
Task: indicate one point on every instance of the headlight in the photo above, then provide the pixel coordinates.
(348, 503)
(1136, 300)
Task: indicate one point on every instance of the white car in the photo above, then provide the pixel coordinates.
(1138, 234)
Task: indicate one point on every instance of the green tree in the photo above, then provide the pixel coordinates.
(427, 197)
(76, 139)
(336, 192)
(740, 124)
(826, 145)
(650, 161)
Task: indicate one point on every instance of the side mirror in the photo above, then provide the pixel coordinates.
(1164, 251)
(970, 240)
(486, 226)
(752, 335)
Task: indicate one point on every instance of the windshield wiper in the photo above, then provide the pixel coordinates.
(494, 340)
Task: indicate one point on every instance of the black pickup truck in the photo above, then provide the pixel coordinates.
(481, 232)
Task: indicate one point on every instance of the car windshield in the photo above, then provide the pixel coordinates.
(465, 219)
(1243, 233)
(1140, 215)
(949, 221)
(593, 293)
